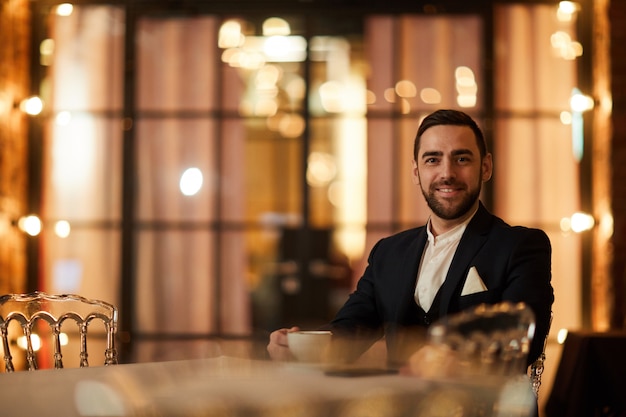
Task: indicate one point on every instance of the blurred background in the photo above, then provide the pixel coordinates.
(219, 169)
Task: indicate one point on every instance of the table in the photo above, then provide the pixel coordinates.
(591, 376)
(236, 387)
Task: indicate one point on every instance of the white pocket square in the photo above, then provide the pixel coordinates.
(473, 283)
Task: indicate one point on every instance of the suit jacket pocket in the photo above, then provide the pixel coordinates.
(472, 300)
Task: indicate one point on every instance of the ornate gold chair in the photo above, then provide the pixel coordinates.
(55, 310)
(536, 368)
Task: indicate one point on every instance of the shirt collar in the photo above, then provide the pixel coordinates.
(452, 234)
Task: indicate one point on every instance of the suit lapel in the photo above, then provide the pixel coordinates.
(410, 265)
(473, 239)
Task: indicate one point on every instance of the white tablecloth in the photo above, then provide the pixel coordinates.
(234, 387)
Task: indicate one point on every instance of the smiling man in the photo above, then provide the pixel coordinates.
(462, 257)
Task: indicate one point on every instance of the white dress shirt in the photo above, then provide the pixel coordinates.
(435, 263)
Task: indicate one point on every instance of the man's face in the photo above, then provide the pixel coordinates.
(450, 171)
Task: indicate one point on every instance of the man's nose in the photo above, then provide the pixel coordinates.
(447, 169)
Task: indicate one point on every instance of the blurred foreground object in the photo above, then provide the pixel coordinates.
(485, 340)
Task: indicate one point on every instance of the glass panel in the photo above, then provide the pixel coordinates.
(176, 63)
(412, 209)
(532, 74)
(83, 182)
(82, 151)
(177, 170)
(176, 288)
(85, 52)
(272, 171)
(86, 263)
(440, 60)
(379, 39)
(234, 287)
(534, 173)
(381, 160)
(535, 166)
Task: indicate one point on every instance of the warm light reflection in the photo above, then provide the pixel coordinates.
(566, 117)
(34, 339)
(62, 228)
(405, 106)
(582, 222)
(291, 125)
(251, 60)
(32, 105)
(406, 88)
(267, 76)
(332, 95)
(321, 169)
(580, 102)
(390, 95)
(579, 222)
(63, 118)
(230, 35)
(430, 96)
(64, 9)
(566, 11)
(350, 195)
(191, 181)
(295, 87)
(277, 48)
(370, 97)
(30, 224)
(265, 106)
(275, 26)
(466, 101)
(466, 86)
(5, 103)
(561, 336)
(565, 47)
(273, 122)
(46, 51)
(606, 226)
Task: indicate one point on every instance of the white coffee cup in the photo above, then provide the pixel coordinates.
(310, 346)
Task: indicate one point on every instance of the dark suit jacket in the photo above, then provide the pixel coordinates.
(513, 262)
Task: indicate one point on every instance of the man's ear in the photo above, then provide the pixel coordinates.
(487, 167)
(415, 176)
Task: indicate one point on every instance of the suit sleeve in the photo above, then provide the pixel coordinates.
(529, 281)
(359, 318)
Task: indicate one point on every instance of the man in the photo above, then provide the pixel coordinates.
(464, 256)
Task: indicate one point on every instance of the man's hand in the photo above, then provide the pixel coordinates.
(278, 347)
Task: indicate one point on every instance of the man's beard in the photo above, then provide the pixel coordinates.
(453, 212)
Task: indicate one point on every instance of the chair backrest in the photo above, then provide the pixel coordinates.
(536, 368)
(29, 309)
(488, 339)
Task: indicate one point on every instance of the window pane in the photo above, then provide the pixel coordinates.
(532, 74)
(166, 149)
(272, 172)
(82, 152)
(176, 64)
(87, 58)
(84, 178)
(441, 60)
(86, 263)
(536, 172)
(175, 281)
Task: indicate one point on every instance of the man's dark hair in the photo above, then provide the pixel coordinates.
(450, 117)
